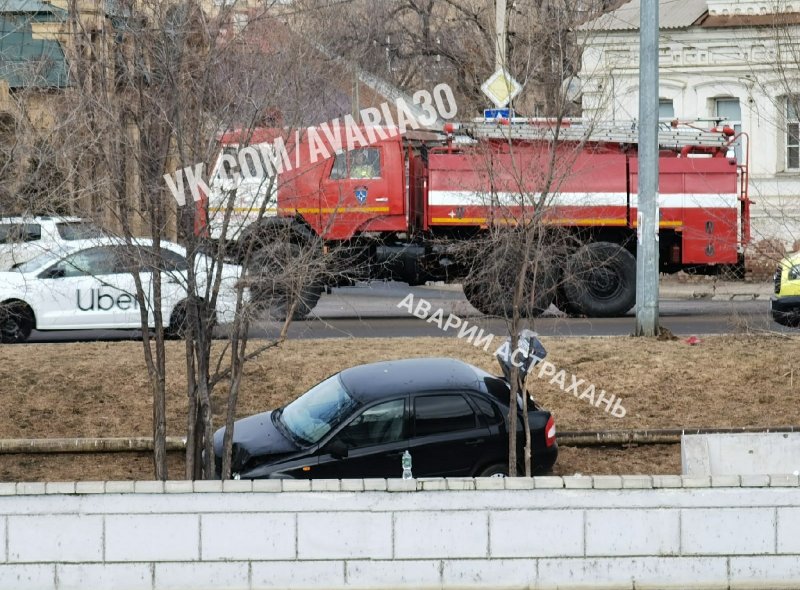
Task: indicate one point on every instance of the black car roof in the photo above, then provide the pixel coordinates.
(390, 378)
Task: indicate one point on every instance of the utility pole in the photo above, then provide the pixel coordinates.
(500, 34)
(648, 215)
(355, 101)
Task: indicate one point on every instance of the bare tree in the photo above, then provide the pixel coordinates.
(153, 86)
(530, 257)
(156, 95)
(414, 42)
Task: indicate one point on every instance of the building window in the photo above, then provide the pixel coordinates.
(730, 111)
(792, 133)
(666, 111)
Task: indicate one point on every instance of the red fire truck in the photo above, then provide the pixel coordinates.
(400, 204)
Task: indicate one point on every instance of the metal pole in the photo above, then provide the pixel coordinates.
(356, 99)
(647, 216)
(500, 32)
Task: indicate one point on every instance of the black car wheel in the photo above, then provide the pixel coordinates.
(178, 322)
(285, 274)
(16, 323)
(499, 470)
(790, 318)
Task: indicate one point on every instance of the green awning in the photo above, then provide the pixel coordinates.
(24, 61)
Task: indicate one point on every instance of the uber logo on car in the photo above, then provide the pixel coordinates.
(105, 301)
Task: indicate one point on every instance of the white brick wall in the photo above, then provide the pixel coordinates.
(633, 532)
(332, 535)
(152, 537)
(180, 576)
(28, 576)
(122, 576)
(665, 532)
(654, 572)
(270, 536)
(789, 530)
(727, 531)
(536, 533)
(68, 538)
(293, 574)
(441, 534)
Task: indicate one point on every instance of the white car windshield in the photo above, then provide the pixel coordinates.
(317, 412)
(38, 262)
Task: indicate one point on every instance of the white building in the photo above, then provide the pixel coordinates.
(737, 59)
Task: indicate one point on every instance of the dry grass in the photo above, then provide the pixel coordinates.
(101, 389)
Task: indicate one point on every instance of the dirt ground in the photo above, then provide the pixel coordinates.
(101, 389)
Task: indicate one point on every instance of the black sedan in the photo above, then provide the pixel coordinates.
(450, 416)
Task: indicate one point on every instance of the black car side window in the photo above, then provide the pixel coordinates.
(488, 410)
(379, 424)
(436, 414)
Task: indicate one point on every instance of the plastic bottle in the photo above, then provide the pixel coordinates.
(407, 465)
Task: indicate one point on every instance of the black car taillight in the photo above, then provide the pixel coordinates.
(777, 279)
(550, 432)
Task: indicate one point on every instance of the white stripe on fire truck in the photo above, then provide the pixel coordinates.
(667, 200)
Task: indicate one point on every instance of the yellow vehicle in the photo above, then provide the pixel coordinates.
(786, 301)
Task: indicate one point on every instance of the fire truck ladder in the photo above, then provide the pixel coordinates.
(669, 137)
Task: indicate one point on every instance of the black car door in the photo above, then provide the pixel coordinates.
(447, 437)
(495, 451)
(369, 445)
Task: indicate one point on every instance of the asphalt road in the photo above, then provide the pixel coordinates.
(372, 311)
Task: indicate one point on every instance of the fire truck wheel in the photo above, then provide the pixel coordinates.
(600, 280)
(493, 302)
(281, 273)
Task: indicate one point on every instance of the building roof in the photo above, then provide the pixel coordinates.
(750, 20)
(672, 14)
(30, 7)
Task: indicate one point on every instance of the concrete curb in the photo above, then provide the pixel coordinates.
(673, 289)
(716, 291)
(577, 481)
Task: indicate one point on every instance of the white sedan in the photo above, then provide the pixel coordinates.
(92, 287)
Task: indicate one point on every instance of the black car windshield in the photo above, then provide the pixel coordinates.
(315, 413)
